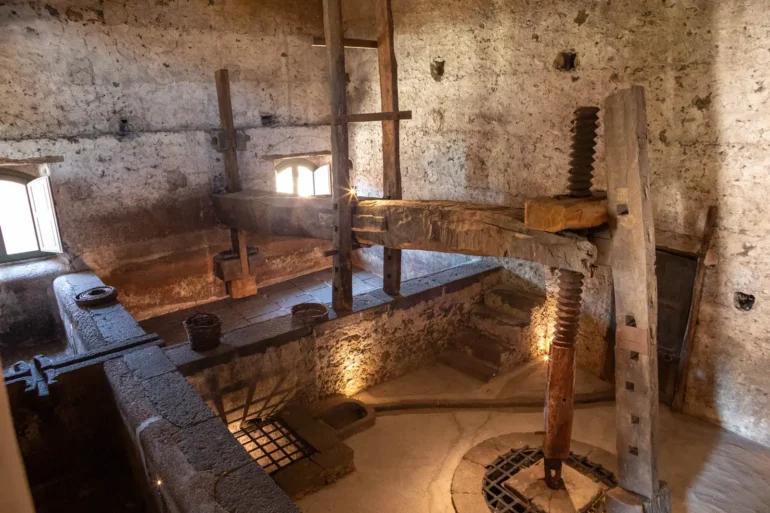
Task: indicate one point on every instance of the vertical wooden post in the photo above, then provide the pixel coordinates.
(391, 160)
(246, 286)
(342, 197)
(636, 300)
(14, 488)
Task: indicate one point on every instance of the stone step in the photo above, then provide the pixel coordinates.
(501, 327)
(468, 364)
(480, 346)
(514, 300)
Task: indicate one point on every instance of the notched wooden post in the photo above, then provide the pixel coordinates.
(636, 303)
(391, 160)
(342, 194)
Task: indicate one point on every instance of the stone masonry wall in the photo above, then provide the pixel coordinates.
(135, 207)
(491, 119)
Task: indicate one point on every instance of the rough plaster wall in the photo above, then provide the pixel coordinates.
(495, 128)
(135, 208)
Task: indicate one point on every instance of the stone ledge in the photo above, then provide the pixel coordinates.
(257, 338)
(96, 327)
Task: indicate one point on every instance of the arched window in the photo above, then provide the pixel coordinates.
(27, 221)
(302, 177)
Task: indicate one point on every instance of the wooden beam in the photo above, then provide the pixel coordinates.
(373, 116)
(692, 322)
(636, 297)
(558, 214)
(347, 42)
(32, 161)
(391, 149)
(446, 226)
(246, 286)
(342, 284)
(14, 487)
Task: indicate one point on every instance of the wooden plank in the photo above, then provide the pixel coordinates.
(558, 214)
(372, 116)
(635, 286)
(32, 161)
(391, 149)
(446, 226)
(347, 42)
(342, 284)
(247, 285)
(692, 323)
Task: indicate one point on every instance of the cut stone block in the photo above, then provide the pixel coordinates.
(579, 490)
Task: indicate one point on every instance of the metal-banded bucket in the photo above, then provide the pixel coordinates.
(204, 331)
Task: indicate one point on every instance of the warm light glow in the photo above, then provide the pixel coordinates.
(353, 191)
(545, 358)
(159, 482)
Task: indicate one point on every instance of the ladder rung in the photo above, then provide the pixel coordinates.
(374, 116)
(349, 43)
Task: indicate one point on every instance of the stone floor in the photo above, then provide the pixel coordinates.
(405, 463)
(273, 301)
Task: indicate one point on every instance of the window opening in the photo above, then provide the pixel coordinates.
(302, 177)
(28, 227)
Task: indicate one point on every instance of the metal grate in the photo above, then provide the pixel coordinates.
(502, 500)
(272, 444)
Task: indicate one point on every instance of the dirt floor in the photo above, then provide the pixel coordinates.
(405, 463)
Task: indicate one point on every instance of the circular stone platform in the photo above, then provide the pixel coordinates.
(505, 474)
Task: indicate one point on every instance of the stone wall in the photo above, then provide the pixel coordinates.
(133, 202)
(263, 365)
(494, 128)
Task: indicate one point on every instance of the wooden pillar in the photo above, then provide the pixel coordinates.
(391, 161)
(636, 303)
(342, 196)
(14, 488)
(247, 285)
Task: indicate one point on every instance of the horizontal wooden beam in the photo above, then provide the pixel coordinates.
(32, 161)
(445, 226)
(374, 116)
(565, 213)
(347, 42)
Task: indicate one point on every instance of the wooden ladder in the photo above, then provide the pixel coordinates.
(343, 195)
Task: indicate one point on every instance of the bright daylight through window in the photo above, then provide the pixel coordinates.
(27, 221)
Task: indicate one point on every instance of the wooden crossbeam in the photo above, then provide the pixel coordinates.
(391, 149)
(446, 226)
(342, 279)
(557, 214)
(347, 42)
(373, 116)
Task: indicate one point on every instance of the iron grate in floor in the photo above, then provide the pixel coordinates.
(501, 500)
(272, 444)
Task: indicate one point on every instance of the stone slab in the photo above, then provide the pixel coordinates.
(258, 338)
(335, 462)
(468, 478)
(148, 363)
(320, 436)
(251, 490)
(176, 401)
(300, 478)
(579, 490)
(209, 446)
(189, 362)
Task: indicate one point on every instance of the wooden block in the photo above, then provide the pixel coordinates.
(347, 42)
(557, 214)
(238, 289)
(373, 116)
